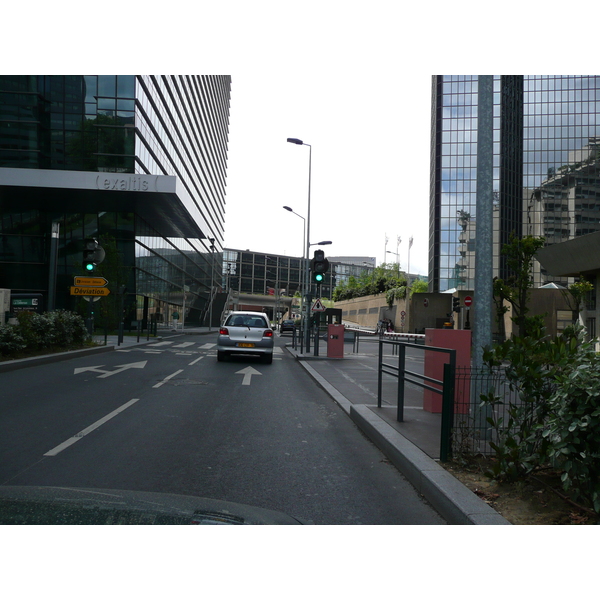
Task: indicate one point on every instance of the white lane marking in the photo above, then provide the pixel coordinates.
(184, 345)
(207, 346)
(167, 379)
(160, 344)
(247, 373)
(362, 387)
(195, 361)
(89, 429)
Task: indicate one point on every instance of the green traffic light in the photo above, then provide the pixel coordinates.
(89, 266)
(319, 277)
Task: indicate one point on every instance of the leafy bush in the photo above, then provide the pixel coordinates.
(11, 341)
(573, 429)
(55, 330)
(555, 420)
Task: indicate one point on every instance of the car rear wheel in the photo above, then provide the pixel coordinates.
(221, 356)
(267, 359)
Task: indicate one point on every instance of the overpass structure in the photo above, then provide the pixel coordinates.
(269, 304)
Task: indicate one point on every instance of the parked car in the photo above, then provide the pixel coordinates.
(246, 332)
(287, 325)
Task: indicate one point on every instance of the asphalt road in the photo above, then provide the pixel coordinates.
(167, 417)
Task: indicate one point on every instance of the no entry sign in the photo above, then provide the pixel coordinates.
(468, 301)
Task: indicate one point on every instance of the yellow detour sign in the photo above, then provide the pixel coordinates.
(89, 291)
(91, 281)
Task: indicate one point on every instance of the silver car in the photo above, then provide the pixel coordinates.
(246, 332)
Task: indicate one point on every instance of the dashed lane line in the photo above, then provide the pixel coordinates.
(89, 429)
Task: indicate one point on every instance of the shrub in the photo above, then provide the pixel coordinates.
(59, 329)
(11, 341)
(573, 430)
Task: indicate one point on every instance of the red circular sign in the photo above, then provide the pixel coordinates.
(468, 300)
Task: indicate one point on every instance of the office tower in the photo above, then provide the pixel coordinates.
(546, 168)
(142, 159)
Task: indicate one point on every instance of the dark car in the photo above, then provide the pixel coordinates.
(287, 325)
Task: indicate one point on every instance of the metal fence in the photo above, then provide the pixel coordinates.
(472, 431)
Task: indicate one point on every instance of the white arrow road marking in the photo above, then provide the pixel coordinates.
(96, 369)
(89, 429)
(247, 373)
(120, 369)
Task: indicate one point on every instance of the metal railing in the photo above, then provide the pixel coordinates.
(444, 386)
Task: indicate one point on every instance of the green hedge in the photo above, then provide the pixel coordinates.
(49, 331)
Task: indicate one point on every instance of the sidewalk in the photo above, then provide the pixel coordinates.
(413, 445)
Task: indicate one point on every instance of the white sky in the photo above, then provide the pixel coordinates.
(351, 79)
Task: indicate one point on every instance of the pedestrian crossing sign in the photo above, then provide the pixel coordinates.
(318, 306)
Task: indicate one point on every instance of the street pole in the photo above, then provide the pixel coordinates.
(212, 279)
(308, 294)
(53, 265)
(484, 232)
(410, 243)
(484, 235)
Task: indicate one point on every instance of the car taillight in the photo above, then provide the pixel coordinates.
(223, 331)
(268, 333)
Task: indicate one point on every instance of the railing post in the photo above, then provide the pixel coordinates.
(379, 374)
(401, 366)
(447, 408)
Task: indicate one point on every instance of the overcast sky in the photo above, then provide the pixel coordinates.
(352, 80)
(369, 175)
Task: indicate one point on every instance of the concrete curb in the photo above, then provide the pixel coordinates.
(456, 503)
(22, 363)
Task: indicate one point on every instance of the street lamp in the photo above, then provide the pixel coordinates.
(301, 143)
(303, 277)
(397, 261)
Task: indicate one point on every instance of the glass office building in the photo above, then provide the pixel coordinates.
(546, 168)
(138, 159)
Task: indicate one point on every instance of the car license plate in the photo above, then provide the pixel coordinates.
(241, 345)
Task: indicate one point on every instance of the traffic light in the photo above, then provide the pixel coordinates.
(455, 304)
(93, 255)
(319, 266)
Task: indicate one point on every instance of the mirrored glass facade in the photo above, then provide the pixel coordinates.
(546, 168)
(117, 124)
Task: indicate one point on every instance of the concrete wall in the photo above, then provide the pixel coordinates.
(430, 310)
(368, 310)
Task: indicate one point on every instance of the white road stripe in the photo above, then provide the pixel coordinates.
(89, 429)
(195, 361)
(184, 345)
(160, 344)
(207, 346)
(167, 379)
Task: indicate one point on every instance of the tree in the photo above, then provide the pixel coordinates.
(516, 288)
(576, 295)
(419, 287)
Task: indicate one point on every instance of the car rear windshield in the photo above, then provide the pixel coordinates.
(246, 321)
